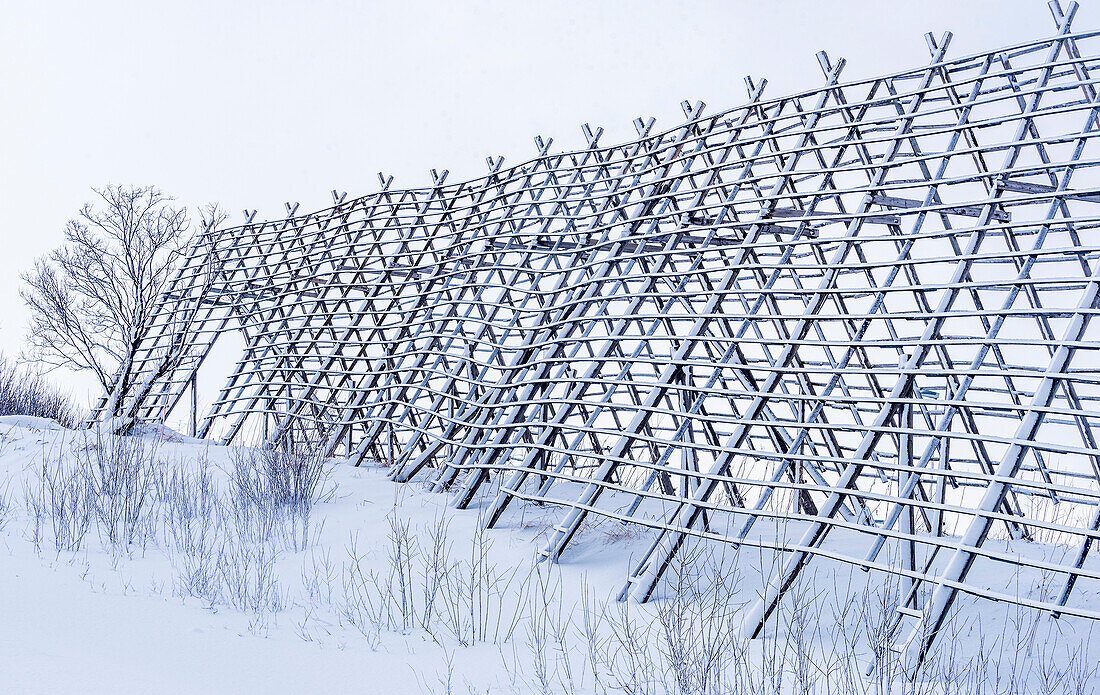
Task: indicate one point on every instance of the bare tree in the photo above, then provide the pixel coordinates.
(92, 299)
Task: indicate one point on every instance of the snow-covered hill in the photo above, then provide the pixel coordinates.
(159, 563)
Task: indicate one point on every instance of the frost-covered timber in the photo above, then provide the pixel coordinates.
(851, 323)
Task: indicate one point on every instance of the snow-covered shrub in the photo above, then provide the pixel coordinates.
(192, 519)
(318, 578)
(421, 585)
(483, 600)
(549, 625)
(248, 578)
(121, 472)
(274, 491)
(222, 545)
(189, 506)
(395, 597)
(25, 393)
(108, 483)
(60, 504)
(359, 605)
(698, 630)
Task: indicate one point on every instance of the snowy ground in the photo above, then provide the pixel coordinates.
(89, 622)
(388, 590)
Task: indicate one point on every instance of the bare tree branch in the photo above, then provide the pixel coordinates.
(92, 299)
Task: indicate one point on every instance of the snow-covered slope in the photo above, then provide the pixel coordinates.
(381, 587)
(95, 621)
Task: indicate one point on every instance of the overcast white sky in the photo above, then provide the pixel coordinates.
(252, 104)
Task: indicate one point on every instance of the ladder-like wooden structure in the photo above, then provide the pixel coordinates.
(862, 311)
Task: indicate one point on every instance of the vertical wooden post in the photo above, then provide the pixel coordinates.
(908, 544)
(194, 388)
(389, 443)
(941, 479)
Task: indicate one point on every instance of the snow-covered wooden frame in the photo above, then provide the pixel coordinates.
(862, 311)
